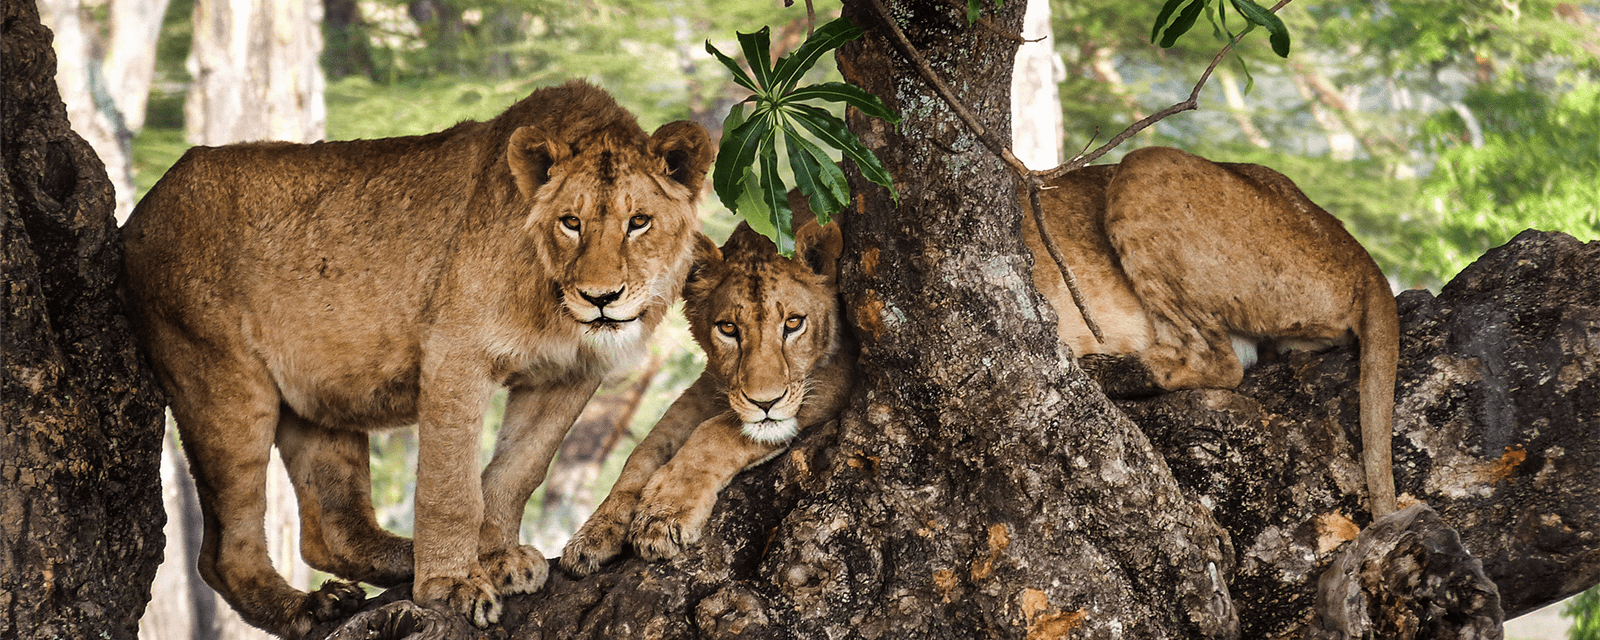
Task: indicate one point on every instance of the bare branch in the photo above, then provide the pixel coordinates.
(1192, 103)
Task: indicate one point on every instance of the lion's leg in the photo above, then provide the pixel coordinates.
(339, 532)
(228, 447)
(677, 501)
(535, 422)
(604, 533)
(1184, 356)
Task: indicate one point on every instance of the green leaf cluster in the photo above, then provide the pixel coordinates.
(747, 175)
(1177, 17)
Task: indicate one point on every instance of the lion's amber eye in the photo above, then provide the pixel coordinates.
(728, 329)
(638, 222)
(793, 324)
(571, 222)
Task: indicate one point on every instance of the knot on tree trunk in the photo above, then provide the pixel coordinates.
(1406, 576)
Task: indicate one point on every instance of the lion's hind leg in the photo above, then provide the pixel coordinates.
(339, 533)
(228, 447)
(1186, 356)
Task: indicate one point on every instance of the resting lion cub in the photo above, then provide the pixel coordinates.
(305, 295)
(1183, 260)
(777, 361)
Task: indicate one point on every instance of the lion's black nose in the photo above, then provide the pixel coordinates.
(600, 301)
(767, 405)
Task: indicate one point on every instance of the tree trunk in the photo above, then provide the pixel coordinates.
(130, 60)
(86, 86)
(256, 72)
(80, 413)
(1036, 126)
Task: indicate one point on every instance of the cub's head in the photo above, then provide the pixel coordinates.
(613, 217)
(767, 322)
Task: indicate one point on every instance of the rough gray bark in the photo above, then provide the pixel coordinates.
(80, 413)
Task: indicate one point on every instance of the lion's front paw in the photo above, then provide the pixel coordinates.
(661, 530)
(599, 540)
(473, 597)
(335, 600)
(519, 569)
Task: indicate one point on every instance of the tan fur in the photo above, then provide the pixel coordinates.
(304, 295)
(1179, 257)
(759, 373)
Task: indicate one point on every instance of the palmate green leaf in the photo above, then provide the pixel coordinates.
(973, 6)
(738, 151)
(826, 192)
(1258, 14)
(775, 197)
(1182, 23)
(751, 206)
(849, 94)
(758, 52)
(826, 38)
(739, 75)
(833, 131)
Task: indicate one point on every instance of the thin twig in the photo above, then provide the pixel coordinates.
(811, 20)
(1193, 102)
(1030, 180)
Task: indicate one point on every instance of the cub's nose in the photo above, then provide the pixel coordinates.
(767, 404)
(602, 299)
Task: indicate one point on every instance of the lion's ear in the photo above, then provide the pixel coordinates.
(820, 247)
(707, 259)
(687, 150)
(531, 154)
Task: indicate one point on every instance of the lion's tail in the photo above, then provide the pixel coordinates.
(1379, 336)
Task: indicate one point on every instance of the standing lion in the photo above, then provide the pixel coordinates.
(305, 295)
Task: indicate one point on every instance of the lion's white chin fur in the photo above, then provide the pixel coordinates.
(615, 342)
(772, 431)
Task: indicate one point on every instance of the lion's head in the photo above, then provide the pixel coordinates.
(612, 215)
(767, 322)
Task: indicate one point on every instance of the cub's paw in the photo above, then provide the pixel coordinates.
(518, 569)
(473, 597)
(599, 540)
(335, 600)
(662, 530)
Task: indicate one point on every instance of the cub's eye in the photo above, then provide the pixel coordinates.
(571, 222)
(638, 222)
(728, 329)
(793, 324)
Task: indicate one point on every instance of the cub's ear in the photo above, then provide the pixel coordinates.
(707, 260)
(686, 149)
(820, 247)
(531, 154)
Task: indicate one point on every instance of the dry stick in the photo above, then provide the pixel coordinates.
(1029, 179)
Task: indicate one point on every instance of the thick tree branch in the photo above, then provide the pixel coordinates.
(1496, 428)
